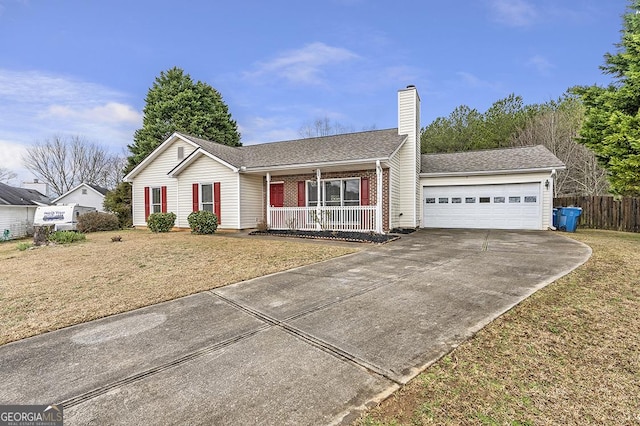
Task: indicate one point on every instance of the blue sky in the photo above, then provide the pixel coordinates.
(78, 67)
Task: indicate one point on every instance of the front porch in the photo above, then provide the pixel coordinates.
(336, 218)
(353, 200)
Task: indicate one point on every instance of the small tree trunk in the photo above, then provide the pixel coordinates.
(41, 234)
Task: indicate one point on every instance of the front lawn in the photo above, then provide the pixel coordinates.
(47, 288)
(568, 355)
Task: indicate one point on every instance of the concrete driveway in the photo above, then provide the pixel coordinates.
(313, 345)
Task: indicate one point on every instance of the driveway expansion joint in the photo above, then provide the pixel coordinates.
(76, 400)
(312, 340)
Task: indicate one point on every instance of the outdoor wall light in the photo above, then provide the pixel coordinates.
(546, 184)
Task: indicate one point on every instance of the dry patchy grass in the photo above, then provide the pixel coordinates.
(56, 286)
(569, 355)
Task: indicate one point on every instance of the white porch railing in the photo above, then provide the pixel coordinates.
(353, 218)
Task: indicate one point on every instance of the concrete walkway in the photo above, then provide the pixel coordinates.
(309, 346)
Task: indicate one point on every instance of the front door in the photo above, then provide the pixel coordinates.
(276, 195)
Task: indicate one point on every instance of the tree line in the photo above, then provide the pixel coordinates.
(510, 123)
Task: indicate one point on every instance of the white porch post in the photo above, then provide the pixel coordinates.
(318, 226)
(268, 200)
(378, 197)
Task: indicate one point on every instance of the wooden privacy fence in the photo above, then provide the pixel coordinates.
(605, 212)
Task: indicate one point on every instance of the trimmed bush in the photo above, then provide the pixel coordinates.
(203, 222)
(98, 221)
(161, 222)
(66, 237)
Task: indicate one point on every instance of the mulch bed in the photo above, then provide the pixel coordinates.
(354, 237)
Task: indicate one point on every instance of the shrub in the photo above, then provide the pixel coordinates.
(98, 221)
(161, 222)
(24, 246)
(66, 237)
(203, 222)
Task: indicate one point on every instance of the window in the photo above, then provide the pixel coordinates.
(485, 200)
(180, 152)
(498, 200)
(470, 200)
(334, 192)
(456, 200)
(514, 199)
(156, 200)
(206, 197)
(530, 199)
(443, 200)
(430, 201)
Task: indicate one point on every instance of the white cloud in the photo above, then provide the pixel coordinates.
(303, 66)
(475, 82)
(513, 13)
(35, 106)
(111, 112)
(12, 159)
(541, 64)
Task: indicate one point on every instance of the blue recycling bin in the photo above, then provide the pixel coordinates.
(568, 218)
(555, 217)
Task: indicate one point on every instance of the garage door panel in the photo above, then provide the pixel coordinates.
(505, 206)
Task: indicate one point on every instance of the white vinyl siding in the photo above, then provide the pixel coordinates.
(154, 175)
(394, 191)
(17, 219)
(92, 198)
(544, 202)
(409, 155)
(205, 170)
(251, 200)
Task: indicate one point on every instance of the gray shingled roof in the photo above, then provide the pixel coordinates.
(348, 147)
(98, 188)
(519, 158)
(12, 196)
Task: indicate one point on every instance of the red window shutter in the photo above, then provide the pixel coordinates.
(195, 202)
(216, 200)
(302, 198)
(147, 203)
(364, 191)
(164, 199)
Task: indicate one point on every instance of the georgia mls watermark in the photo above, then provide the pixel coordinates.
(31, 415)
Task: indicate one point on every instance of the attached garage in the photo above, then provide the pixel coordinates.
(500, 206)
(492, 189)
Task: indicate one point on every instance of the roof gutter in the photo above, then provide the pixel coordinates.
(313, 165)
(493, 172)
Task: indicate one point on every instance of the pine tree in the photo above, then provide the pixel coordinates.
(612, 124)
(176, 104)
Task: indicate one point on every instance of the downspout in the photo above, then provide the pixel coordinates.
(268, 200)
(378, 197)
(551, 190)
(318, 227)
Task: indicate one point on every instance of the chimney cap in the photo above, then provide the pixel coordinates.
(411, 86)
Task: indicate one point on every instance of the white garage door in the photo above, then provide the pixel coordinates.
(506, 206)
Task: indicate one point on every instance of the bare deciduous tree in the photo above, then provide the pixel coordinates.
(323, 127)
(556, 127)
(66, 162)
(6, 175)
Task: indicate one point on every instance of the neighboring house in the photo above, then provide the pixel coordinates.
(86, 195)
(17, 207)
(366, 181)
